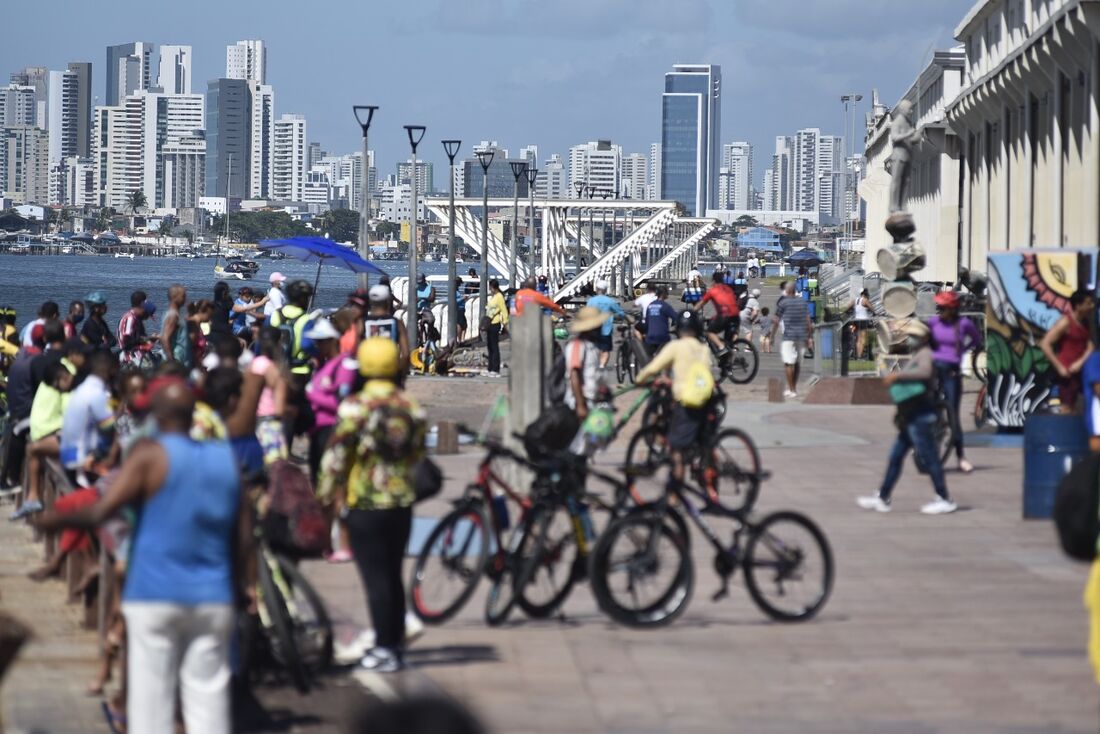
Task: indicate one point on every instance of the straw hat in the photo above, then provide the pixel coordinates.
(587, 319)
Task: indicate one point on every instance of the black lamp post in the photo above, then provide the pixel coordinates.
(450, 147)
(603, 221)
(591, 224)
(416, 134)
(580, 186)
(363, 115)
(518, 170)
(532, 176)
(485, 158)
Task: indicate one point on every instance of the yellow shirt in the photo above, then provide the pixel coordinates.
(497, 309)
(678, 354)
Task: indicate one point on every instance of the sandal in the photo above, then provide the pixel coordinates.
(116, 722)
(965, 466)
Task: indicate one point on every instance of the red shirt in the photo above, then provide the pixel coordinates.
(529, 295)
(723, 298)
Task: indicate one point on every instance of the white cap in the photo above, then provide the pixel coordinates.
(755, 292)
(322, 329)
(379, 294)
(601, 285)
(276, 277)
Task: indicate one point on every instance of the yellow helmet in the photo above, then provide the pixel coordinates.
(378, 357)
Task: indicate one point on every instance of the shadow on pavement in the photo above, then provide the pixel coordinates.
(452, 655)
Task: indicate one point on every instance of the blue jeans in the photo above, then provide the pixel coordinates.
(950, 379)
(917, 435)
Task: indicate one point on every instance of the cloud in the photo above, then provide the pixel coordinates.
(570, 19)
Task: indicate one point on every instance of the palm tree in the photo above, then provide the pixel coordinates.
(135, 200)
(165, 228)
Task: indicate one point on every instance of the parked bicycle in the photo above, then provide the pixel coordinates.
(642, 574)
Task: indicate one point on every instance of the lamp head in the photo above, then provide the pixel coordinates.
(532, 175)
(416, 134)
(518, 168)
(579, 186)
(485, 157)
(363, 115)
(451, 148)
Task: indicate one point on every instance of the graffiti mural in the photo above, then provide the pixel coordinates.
(1029, 291)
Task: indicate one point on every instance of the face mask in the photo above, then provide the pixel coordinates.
(78, 318)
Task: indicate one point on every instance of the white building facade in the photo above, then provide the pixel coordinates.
(597, 164)
(634, 178)
(246, 60)
(289, 159)
(735, 176)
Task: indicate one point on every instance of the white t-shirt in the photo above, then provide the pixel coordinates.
(751, 311)
(693, 275)
(276, 299)
(643, 301)
(862, 312)
(583, 355)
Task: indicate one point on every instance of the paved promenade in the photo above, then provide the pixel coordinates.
(964, 623)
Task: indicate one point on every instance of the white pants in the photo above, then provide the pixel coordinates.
(169, 644)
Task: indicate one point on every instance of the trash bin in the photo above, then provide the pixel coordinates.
(1053, 443)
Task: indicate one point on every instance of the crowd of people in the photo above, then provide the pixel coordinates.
(166, 433)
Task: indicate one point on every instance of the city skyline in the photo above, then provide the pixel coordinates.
(507, 85)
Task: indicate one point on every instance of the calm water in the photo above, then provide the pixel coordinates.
(28, 280)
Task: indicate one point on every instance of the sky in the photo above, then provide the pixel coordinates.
(553, 73)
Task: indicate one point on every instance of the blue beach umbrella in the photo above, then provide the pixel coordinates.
(805, 258)
(322, 251)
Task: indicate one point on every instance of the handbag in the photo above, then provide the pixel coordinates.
(427, 479)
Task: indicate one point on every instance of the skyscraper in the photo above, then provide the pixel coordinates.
(425, 176)
(83, 73)
(691, 122)
(530, 153)
(735, 182)
(289, 165)
(778, 186)
(246, 60)
(550, 182)
(61, 128)
(24, 174)
(634, 179)
(17, 106)
(37, 78)
(129, 69)
(653, 192)
(597, 164)
(261, 151)
(228, 126)
(175, 70)
(830, 177)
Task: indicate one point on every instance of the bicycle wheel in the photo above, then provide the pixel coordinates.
(550, 559)
(277, 625)
(621, 367)
(731, 468)
(981, 408)
(977, 365)
(503, 597)
(450, 564)
(641, 571)
(788, 567)
(310, 623)
(742, 361)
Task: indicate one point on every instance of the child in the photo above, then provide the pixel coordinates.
(766, 323)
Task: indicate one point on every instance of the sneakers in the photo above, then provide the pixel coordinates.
(382, 660)
(29, 508)
(939, 506)
(340, 556)
(364, 641)
(414, 628)
(790, 394)
(873, 502)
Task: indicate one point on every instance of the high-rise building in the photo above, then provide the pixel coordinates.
(318, 191)
(779, 189)
(597, 163)
(530, 153)
(174, 76)
(24, 173)
(289, 167)
(261, 134)
(17, 106)
(80, 187)
(855, 170)
(550, 182)
(425, 178)
(38, 79)
(735, 176)
(228, 130)
(501, 181)
(129, 69)
(153, 143)
(62, 128)
(806, 168)
(830, 177)
(634, 179)
(654, 190)
(246, 60)
(314, 154)
(691, 122)
(82, 70)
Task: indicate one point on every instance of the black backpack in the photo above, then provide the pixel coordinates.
(1075, 509)
(557, 382)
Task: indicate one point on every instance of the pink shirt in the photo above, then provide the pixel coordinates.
(330, 384)
(266, 406)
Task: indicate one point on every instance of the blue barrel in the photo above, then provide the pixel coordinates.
(825, 336)
(1052, 445)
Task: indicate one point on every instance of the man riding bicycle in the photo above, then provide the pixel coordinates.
(728, 314)
(689, 360)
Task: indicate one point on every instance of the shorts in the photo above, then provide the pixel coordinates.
(605, 342)
(792, 351)
(718, 325)
(460, 319)
(685, 425)
(272, 437)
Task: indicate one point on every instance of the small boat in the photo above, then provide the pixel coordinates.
(127, 255)
(222, 272)
(243, 265)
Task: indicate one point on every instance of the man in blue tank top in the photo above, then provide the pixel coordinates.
(180, 583)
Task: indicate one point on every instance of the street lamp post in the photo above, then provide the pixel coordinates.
(591, 224)
(450, 147)
(580, 187)
(519, 168)
(363, 115)
(603, 222)
(532, 176)
(485, 158)
(849, 101)
(416, 134)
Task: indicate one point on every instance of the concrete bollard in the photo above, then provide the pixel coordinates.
(775, 390)
(446, 437)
